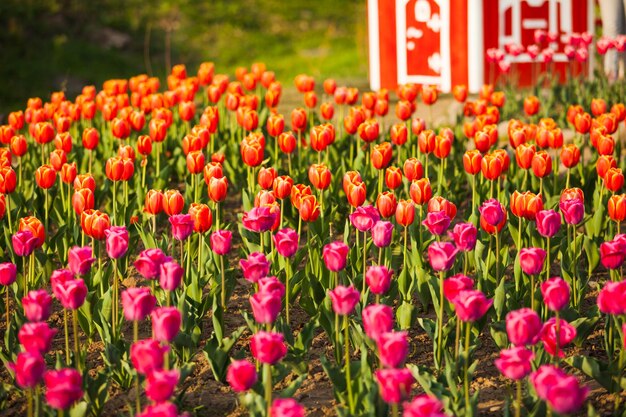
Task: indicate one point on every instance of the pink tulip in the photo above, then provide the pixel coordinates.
(394, 385)
(166, 323)
(160, 410)
(171, 275)
(515, 363)
(268, 347)
(63, 388)
(8, 273)
(491, 211)
(58, 277)
(441, 255)
(377, 319)
(612, 298)
(255, 267)
(567, 333)
(37, 305)
(523, 327)
(116, 241)
(612, 253)
(80, 259)
(531, 260)
(72, 293)
(378, 279)
(221, 241)
(147, 356)
(548, 222)
(137, 303)
(453, 285)
(393, 347)
(335, 255)
(567, 396)
(149, 261)
(382, 233)
(464, 235)
(344, 299)
(545, 377)
(265, 306)
(364, 218)
(573, 210)
(24, 243)
(471, 305)
(286, 241)
(182, 226)
(160, 385)
(241, 375)
(437, 222)
(424, 405)
(555, 292)
(259, 219)
(28, 369)
(286, 407)
(272, 285)
(36, 337)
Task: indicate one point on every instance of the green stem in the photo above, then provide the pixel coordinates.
(137, 394)
(29, 402)
(223, 283)
(518, 402)
(287, 276)
(346, 343)
(75, 328)
(440, 320)
(364, 260)
(394, 409)
(466, 385)
(114, 202)
(6, 311)
(532, 292)
(457, 337)
(267, 376)
(67, 339)
(558, 336)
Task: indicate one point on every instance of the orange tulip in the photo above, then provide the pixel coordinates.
(35, 226)
(298, 119)
(617, 207)
(16, 119)
(320, 176)
(157, 129)
(526, 204)
(426, 141)
(266, 177)
(460, 93)
(297, 191)
(287, 142)
(598, 106)
(405, 213)
(275, 124)
(439, 203)
(381, 155)
(604, 163)
(398, 134)
(68, 172)
(429, 94)
(57, 159)
(153, 203)
(186, 110)
(369, 130)
(571, 194)
(173, 202)
(195, 162)
(356, 194)
(524, 154)
(442, 148)
(82, 200)
(251, 152)
(19, 146)
(309, 208)
(413, 169)
(393, 177)
(43, 132)
(541, 164)
(218, 189)
(330, 85)
(327, 110)
(531, 105)
(614, 179)
(420, 191)
(491, 166)
(45, 176)
(582, 122)
(472, 161)
(282, 186)
(120, 128)
(403, 110)
(386, 204)
(8, 180)
(570, 155)
(85, 181)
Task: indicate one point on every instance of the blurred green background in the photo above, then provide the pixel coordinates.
(48, 45)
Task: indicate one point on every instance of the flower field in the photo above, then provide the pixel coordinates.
(181, 247)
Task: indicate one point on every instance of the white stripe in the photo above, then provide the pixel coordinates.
(475, 53)
(374, 44)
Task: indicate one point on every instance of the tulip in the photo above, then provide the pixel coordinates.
(335, 256)
(170, 277)
(268, 347)
(259, 219)
(72, 293)
(182, 226)
(80, 260)
(160, 410)
(147, 356)
(523, 327)
(378, 279)
(464, 236)
(424, 405)
(556, 334)
(364, 218)
(149, 261)
(437, 222)
(255, 267)
(386, 204)
(166, 322)
(221, 242)
(344, 299)
(286, 407)
(37, 305)
(36, 337)
(555, 292)
(286, 242)
(377, 319)
(394, 384)
(471, 305)
(612, 254)
(441, 255)
(548, 223)
(573, 211)
(241, 375)
(393, 348)
(63, 388)
(612, 298)
(515, 363)
(28, 368)
(8, 273)
(265, 307)
(160, 385)
(382, 233)
(455, 284)
(137, 303)
(565, 395)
